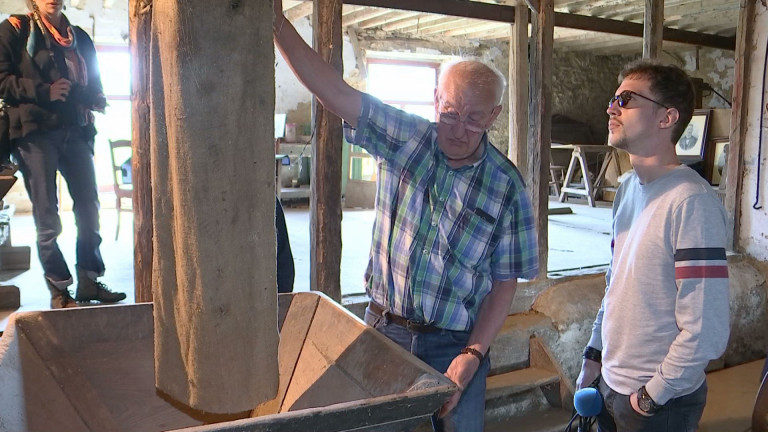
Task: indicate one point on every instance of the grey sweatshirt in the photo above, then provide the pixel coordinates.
(665, 312)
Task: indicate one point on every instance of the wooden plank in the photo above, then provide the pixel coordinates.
(560, 395)
(742, 82)
(539, 133)
(325, 187)
(293, 334)
(66, 371)
(518, 92)
(139, 25)
(10, 297)
(518, 381)
(653, 28)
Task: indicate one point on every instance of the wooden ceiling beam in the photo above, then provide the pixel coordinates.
(385, 19)
(419, 20)
(489, 26)
(501, 13)
(362, 15)
(300, 11)
(493, 12)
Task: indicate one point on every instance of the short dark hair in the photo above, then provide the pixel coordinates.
(670, 85)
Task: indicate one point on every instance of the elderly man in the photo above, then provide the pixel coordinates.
(453, 228)
(665, 311)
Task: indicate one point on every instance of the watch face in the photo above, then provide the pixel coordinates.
(643, 402)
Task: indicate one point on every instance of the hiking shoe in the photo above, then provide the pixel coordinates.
(60, 298)
(93, 290)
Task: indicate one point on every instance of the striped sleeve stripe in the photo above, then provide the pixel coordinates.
(700, 254)
(701, 272)
(701, 263)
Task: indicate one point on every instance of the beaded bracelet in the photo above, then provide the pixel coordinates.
(474, 352)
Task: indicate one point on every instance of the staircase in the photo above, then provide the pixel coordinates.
(526, 390)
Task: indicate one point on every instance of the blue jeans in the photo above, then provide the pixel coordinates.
(40, 154)
(680, 414)
(438, 350)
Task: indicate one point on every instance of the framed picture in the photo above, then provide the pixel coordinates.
(691, 146)
(719, 160)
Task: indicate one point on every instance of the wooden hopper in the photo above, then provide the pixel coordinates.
(91, 369)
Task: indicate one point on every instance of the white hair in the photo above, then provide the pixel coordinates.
(484, 76)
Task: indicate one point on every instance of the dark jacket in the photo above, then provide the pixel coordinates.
(25, 81)
(285, 266)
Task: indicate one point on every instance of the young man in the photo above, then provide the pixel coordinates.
(665, 311)
(453, 228)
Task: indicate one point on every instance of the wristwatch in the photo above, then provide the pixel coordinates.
(646, 403)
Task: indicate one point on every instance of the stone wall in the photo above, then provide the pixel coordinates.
(572, 303)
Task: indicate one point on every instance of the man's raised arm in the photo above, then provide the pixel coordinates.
(319, 77)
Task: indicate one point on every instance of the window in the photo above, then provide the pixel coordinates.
(115, 123)
(408, 85)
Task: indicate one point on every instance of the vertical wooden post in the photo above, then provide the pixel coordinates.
(325, 189)
(140, 23)
(518, 91)
(540, 131)
(653, 28)
(739, 119)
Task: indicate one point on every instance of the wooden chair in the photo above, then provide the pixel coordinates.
(120, 150)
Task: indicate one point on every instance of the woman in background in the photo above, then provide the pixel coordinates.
(49, 78)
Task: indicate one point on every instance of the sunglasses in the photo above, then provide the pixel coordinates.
(624, 97)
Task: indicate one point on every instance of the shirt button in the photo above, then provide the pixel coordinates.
(434, 224)
(442, 199)
(450, 174)
(425, 252)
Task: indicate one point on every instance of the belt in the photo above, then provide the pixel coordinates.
(415, 326)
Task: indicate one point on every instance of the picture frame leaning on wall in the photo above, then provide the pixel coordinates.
(719, 159)
(692, 144)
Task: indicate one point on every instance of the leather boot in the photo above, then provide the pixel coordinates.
(60, 298)
(89, 289)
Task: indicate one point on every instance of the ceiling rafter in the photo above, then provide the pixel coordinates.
(415, 22)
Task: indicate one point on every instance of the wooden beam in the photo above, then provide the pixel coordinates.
(392, 16)
(742, 83)
(139, 26)
(414, 21)
(539, 132)
(653, 26)
(460, 8)
(493, 12)
(362, 15)
(302, 10)
(518, 92)
(325, 186)
(616, 27)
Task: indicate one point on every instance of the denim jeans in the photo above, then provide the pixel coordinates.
(680, 414)
(40, 155)
(438, 350)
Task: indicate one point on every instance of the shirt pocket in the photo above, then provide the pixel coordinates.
(472, 236)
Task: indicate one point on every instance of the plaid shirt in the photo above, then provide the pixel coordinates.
(441, 235)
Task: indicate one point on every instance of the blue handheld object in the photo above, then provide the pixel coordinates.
(588, 402)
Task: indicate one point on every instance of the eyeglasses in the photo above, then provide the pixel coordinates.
(453, 118)
(624, 97)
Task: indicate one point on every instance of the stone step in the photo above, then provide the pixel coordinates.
(549, 420)
(518, 381)
(519, 393)
(510, 349)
